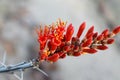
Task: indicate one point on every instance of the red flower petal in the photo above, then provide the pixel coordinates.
(110, 41)
(91, 51)
(116, 30)
(81, 29)
(102, 47)
(69, 33)
(53, 58)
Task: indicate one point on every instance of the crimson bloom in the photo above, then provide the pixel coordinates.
(57, 41)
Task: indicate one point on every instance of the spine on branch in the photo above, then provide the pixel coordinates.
(19, 66)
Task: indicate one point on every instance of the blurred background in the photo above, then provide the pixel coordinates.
(19, 18)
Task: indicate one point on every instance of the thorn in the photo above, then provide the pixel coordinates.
(21, 75)
(16, 76)
(4, 60)
(41, 71)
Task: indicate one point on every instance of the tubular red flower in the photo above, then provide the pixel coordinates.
(54, 44)
(69, 33)
(116, 30)
(81, 29)
(42, 40)
(53, 58)
(102, 47)
(91, 51)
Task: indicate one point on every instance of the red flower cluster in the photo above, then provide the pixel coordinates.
(56, 41)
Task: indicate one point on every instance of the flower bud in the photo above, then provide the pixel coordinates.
(110, 41)
(95, 35)
(100, 37)
(102, 47)
(81, 29)
(105, 33)
(69, 33)
(77, 53)
(116, 30)
(90, 51)
(90, 30)
(87, 43)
